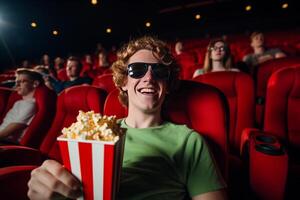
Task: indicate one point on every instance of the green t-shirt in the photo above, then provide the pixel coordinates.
(166, 162)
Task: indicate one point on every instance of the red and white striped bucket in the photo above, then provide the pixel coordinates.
(96, 163)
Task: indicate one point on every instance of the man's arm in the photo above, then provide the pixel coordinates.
(215, 195)
(11, 129)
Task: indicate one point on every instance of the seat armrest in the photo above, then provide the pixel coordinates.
(268, 165)
(246, 134)
(13, 181)
(19, 155)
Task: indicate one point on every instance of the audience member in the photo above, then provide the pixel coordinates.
(102, 60)
(162, 160)
(217, 58)
(73, 70)
(261, 52)
(20, 115)
(178, 48)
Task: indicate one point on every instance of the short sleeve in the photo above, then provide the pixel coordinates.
(202, 173)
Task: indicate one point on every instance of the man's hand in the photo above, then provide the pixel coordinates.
(53, 181)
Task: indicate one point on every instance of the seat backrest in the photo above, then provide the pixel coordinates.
(4, 96)
(62, 75)
(282, 112)
(45, 110)
(113, 106)
(105, 82)
(45, 103)
(197, 105)
(69, 102)
(238, 88)
(261, 77)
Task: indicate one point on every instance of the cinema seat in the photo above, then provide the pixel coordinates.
(261, 77)
(282, 113)
(41, 122)
(213, 126)
(197, 105)
(105, 82)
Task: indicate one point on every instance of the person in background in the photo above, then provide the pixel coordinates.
(102, 60)
(73, 70)
(217, 58)
(260, 52)
(178, 48)
(20, 115)
(162, 160)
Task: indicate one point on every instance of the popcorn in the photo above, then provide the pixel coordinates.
(93, 126)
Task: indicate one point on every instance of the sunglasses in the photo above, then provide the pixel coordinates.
(139, 69)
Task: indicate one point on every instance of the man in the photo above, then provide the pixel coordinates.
(261, 53)
(162, 160)
(22, 112)
(73, 70)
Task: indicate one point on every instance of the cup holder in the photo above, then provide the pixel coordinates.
(269, 149)
(265, 139)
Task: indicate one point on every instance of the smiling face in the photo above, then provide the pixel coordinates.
(145, 94)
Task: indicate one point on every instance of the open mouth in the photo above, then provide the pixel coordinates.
(147, 91)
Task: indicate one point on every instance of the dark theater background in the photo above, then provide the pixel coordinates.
(81, 24)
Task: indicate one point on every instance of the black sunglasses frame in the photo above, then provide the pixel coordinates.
(138, 70)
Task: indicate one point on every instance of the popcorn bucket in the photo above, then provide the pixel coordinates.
(97, 164)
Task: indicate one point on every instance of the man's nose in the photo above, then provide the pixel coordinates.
(149, 74)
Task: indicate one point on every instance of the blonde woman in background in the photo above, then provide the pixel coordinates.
(217, 58)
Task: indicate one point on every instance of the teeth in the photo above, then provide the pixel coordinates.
(147, 90)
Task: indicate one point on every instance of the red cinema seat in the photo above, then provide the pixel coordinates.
(239, 91)
(4, 95)
(105, 82)
(195, 100)
(193, 103)
(261, 77)
(281, 122)
(238, 88)
(70, 101)
(62, 75)
(41, 122)
(187, 62)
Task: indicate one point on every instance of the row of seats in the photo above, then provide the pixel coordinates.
(196, 107)
(194, 101)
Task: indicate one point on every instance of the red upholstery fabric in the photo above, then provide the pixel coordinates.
(113, 106)
(268, 164)
(187, 62)
(45, 102)
(282, 111)
(105, 82)
(239, 91)
(40, 124)
(62, 75)
(14, 182)
(70, 101)
(264, 71)
(199, 106)
(4, 95)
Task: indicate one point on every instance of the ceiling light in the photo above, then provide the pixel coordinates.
(55, 32)
(197, 16)
(94, 2)
(108, 30)
(148, 24)
(33, 25)
(285, 5)
(248, 8)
